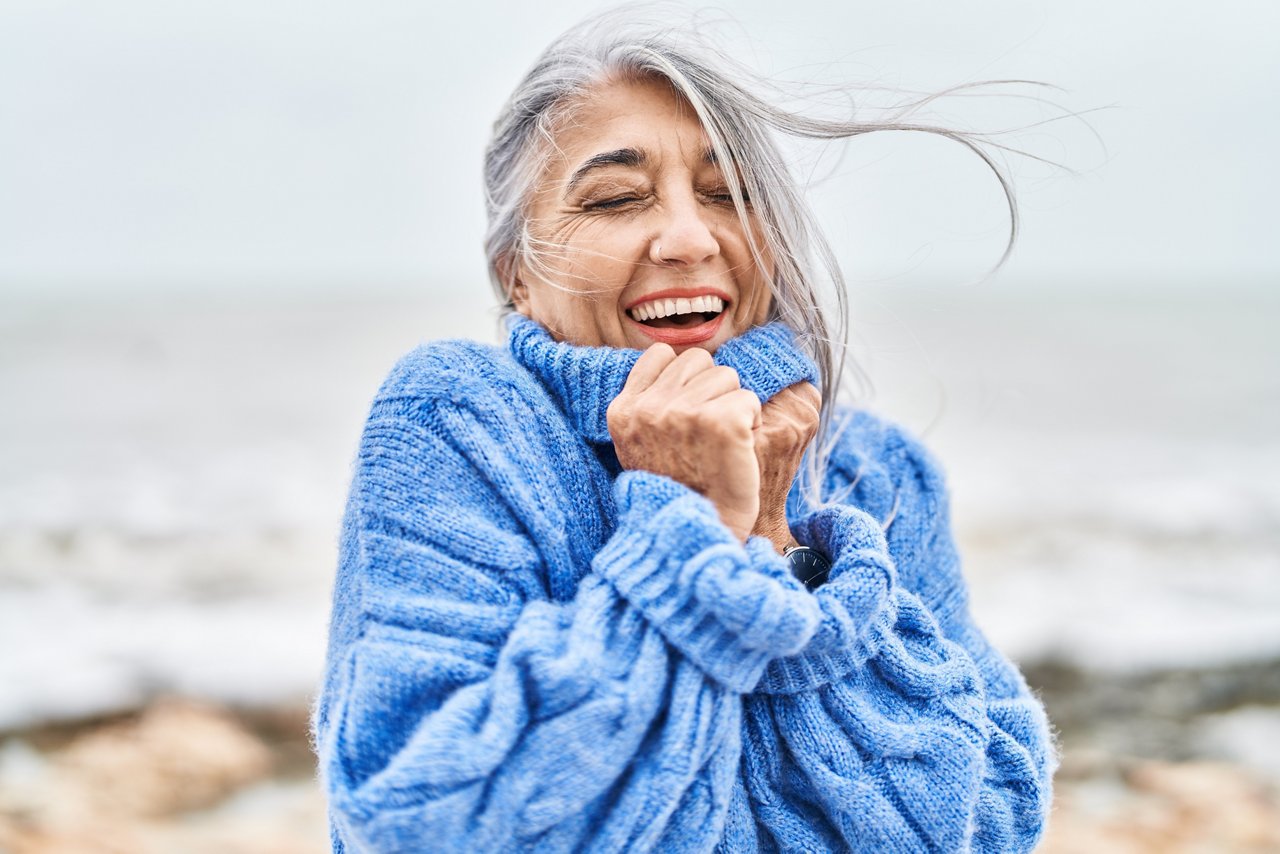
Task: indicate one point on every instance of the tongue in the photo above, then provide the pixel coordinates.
(678, 320)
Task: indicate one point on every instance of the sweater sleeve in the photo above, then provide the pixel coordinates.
(914, 733)
(465, 708)
(1021, 758)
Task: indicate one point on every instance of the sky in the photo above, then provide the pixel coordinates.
(276, 146)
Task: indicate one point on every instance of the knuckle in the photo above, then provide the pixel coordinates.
(652, 413)
(748, 403)
(727, 373)
(696, 356)
(705, 420)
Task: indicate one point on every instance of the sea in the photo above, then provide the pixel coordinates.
(173, 470)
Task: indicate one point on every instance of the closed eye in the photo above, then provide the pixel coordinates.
(724, 197)
(611, 204)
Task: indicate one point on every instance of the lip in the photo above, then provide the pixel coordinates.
(683, 336)
(681, 293)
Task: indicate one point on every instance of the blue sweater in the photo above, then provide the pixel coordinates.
(532, 649)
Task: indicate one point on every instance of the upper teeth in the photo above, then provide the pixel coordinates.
(654, 309)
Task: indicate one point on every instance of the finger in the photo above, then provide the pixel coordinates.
(807, 403)
(809, 393)
(740, 406)
(802, 400)
(710, 384)
(652, 362)
(752, 403)
(683, 368)
(802, 392)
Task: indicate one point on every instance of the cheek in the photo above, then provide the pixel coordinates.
(569, 315)
(592, 257)
(764, 303)
(757, 295)
(755, 277)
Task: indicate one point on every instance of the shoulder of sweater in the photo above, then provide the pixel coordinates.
(453, 369)
(877, 438)
(884, 462)
(459, 385)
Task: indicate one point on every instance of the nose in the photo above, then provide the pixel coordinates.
(685, 238)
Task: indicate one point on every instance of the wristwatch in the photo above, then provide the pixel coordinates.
(808, 565)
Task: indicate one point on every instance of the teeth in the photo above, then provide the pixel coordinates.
(666, 307)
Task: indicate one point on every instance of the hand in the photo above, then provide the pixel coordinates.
(788, 423)
(689, 419)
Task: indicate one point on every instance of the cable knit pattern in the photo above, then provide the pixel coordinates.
(531, 649)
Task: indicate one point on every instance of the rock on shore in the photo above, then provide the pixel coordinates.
(193, 778)
(180, 776)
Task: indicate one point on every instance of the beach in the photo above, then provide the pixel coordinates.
(173, 472)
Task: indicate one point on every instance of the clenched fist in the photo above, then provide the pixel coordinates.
(689, 419)
(788, 423)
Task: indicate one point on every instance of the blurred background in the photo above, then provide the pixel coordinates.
(222, 222)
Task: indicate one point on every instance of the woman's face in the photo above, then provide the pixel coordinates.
(635, 233)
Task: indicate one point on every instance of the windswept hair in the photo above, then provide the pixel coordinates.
(743, 124)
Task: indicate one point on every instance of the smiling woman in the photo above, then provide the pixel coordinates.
(584, 599)
(634, 233)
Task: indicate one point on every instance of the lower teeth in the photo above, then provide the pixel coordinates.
(684, 319)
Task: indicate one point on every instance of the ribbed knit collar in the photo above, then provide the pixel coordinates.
(585, 380)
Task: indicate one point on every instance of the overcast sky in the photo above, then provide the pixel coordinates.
(290, 145)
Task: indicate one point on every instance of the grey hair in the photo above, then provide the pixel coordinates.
(741, 125)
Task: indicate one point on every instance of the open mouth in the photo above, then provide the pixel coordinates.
(678, 313)
(680, 321)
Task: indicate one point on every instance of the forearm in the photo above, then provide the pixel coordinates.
(730, 608)
(882, 701)
(495, 725)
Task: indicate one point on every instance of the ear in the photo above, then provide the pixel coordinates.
(510, 274)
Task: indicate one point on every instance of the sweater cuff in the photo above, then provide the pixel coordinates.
(854, 542)
(729, 609)
(855, 601)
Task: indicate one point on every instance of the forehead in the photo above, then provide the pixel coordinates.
(644, 114)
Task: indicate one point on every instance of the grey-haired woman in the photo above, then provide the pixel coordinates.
(602, 589)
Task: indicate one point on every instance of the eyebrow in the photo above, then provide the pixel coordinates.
(620, 157)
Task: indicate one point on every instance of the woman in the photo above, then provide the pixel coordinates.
(569, 613)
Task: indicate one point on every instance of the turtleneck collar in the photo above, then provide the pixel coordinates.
(585, 380)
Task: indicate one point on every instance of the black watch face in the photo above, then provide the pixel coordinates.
(808, 566)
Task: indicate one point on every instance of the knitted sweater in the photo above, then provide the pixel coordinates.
(532, 649)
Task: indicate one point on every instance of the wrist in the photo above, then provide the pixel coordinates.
(739, 524)
(777, 531)
(808, 565)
